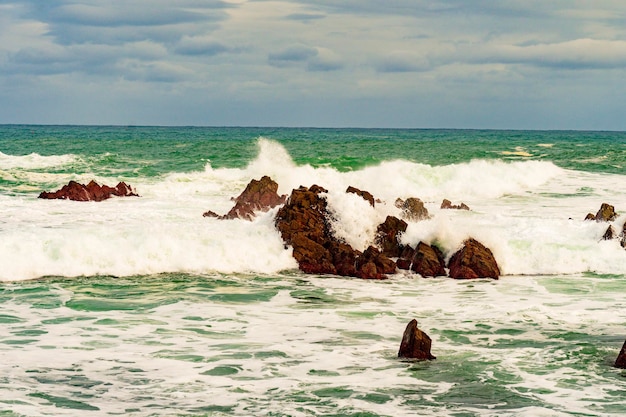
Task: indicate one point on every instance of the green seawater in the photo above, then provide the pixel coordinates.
(232, 343)
(148, 151)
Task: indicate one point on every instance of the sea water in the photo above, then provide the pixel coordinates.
(140, 306)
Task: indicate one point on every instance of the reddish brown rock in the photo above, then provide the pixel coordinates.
(388, 236)
(620, 362)
(428, 261)
(473, 260)
(302, 223)
(605, 214)
(609, 233)
(412, 209)
(415, 343)
(90, 192)
(259, 196)
(363, 194)
(447, 204)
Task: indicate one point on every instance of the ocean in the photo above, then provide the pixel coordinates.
(140, 306)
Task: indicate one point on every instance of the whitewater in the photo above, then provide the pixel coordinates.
(142, 306)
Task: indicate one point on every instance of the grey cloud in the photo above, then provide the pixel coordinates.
(200, 46)
(402, 61)
(305, 17)
(292, 54)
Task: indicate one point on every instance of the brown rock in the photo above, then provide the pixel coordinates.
(412, 209)
(620, 362)
(90, 192)
(428, 261)
(473, 260)
(605, 214)
(447, 204)
(259, 196)
(415, 343)
(609, 234)
(388, 236)
(363, 194)
(302, 223)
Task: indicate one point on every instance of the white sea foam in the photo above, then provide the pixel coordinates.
(34, 161)
(528, 212)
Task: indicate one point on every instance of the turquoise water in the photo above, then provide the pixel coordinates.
(142, 307)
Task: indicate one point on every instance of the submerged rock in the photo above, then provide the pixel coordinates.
(415, 343)
(620, 362)
(90, 192)
(258, 196)
(473, 260)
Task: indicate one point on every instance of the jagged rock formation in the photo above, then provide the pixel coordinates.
(363, 194)
(605, 214)
(412, 209)
(415, 343)
(473, 260)
(259, 196)
(426, 260)
(303, 224)
(447, 204)
(90, 192)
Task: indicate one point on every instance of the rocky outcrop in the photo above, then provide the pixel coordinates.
(605, 214)
(412, 209)
(425, 260)
(258, 196)
(473, 260)
(363, 194)
(90, 192)
(620, 362)
(303, 224)
(415, 343)
(447, 204)
(609, 234)
(388, 236)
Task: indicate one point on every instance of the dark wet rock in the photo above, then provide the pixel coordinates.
(365, 195)
(412, 209)
(605, 214)
(473, 260)
(428, 261)
(447, 204)
(609, 234)
(303, 224)
(620, 362)
(415, 343)
(258, 196)
(90, 192)
(372, 264)
(388, 236)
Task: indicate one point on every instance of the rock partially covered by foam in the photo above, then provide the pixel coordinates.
(413, 209)
(303, 223)
(415, 343)
(473, 260)
(447, 204)
(605, 214)
(365, 195)
(259, 196)
(388, 236)
(426, 260)
(90, 192)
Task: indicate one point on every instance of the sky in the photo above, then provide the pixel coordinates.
(496, 64)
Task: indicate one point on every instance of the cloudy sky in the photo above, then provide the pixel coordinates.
(520, 64)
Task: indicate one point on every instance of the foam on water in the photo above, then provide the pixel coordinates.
(528, 212)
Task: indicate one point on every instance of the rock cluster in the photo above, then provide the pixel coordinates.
(259, 196)
(90, 192)
(303, 224)
(605, 214)
(447, 204)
